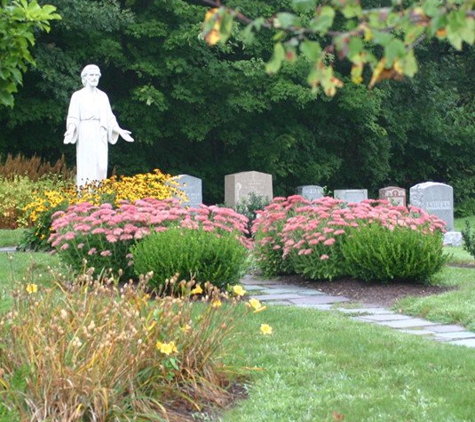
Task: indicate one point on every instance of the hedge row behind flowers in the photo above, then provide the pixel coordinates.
(322, 239)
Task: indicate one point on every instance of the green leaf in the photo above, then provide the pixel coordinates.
(324, 20)
(285, 20)
(275, 62)
(409, 64)
(304, 5)
(431, 7)
(351, 10)
(355, 46)
(395, 49)
(311, 49)
(382, 38)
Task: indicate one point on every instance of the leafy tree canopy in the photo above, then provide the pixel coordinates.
(19, 19)
(382, 38)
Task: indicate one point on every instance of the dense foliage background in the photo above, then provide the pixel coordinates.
(212, 111)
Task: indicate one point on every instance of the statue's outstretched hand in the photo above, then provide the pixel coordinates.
(125, 135)
(69, 136)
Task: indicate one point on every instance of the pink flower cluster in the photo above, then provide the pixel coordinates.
(294, 224)
(131, 221)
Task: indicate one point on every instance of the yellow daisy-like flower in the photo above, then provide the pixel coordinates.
(166, 348)
(197, 290)
(266, 329)
(239, 291)
(185, 328)
(256, 305)
(216, 303)
(31, 288)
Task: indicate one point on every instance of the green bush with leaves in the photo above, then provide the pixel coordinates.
(468, 239)
(192, 253)
(375, 253)
(250, 208)
(15, 194)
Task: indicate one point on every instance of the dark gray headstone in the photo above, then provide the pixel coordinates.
(192, 187)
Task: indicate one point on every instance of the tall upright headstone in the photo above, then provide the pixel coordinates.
(238, 186)
(395, 195)
(193, 189)
(310, 192)
(351, 195)
(435, 198)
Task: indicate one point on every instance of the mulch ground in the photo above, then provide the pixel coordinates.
(384, 295)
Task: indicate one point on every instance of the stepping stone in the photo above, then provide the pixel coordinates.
(318, 300)
(456, 336)
(446, 328)
(372, 311)
(384, 317)
(283, 296)
(468, 343)
(408, 323)
(309, 292)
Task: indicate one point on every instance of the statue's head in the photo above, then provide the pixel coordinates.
(89, 69)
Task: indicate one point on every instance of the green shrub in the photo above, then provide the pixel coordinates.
(376, 253)
(322, 262)
(250, 208)
(468, 239)
(204, 256)
(15, 193)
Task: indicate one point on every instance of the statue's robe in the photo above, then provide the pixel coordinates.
(96, 127)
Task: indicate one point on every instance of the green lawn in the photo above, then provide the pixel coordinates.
(10, 237)
(319, 366)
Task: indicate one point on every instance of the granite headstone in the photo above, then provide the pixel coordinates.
(193, 189)
(238, 186)
(310, 192)
(351, 195)
(395, 195)
(435, 198)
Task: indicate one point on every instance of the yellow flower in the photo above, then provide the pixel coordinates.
(166, 348)
(31, 288)
(197, 290)
(266, 329)
(186, 328)
(238, 290)
(256, 305)
(216, 303)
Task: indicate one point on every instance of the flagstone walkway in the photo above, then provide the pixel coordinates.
(276, 293)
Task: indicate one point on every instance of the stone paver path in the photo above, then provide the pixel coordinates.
(273, 292)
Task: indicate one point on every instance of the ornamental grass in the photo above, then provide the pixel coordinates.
(92, 351)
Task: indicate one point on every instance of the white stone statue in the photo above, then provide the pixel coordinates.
(91, 125)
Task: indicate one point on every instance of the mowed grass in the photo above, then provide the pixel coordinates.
(10, 237)
(457, 306)
(321, 366)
